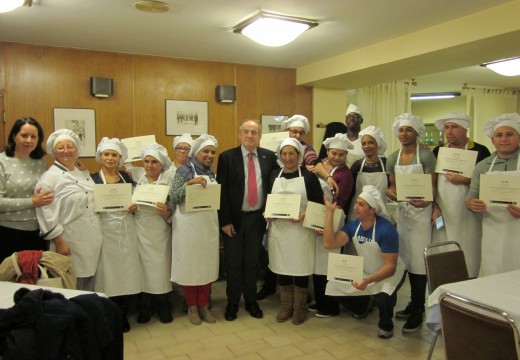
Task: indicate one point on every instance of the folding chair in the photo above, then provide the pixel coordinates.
(444, 268)
(477, 331)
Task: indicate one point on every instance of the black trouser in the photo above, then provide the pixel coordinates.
(241, 255)
(14, 240)
(324, 303)
(418, 292)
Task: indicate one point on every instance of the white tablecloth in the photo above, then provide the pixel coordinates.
(501, 291)
(7, 290)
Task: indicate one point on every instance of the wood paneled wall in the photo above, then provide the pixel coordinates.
(39, 78)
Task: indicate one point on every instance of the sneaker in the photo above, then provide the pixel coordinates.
(313, 308)
(325, 314)
(382, 334)
(405, 313)
(413, 323)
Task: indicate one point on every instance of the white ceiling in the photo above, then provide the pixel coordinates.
(202, 29)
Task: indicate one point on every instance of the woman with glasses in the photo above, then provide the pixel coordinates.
(181, 146)
(297, 126)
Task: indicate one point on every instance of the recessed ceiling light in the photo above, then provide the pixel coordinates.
(152, 6)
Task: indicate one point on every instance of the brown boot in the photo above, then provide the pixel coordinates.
(299, 305)
(206, 315)
(193, 315)
(286, 296)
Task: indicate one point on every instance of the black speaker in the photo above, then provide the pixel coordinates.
(226, 93)
(101, 87)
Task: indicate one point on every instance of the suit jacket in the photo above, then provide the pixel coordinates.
(231, 176)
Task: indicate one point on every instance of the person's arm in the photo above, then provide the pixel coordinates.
(473, 203)
(321, 171)
(391, 190)
(332, 239)
(385, 271)
(61, 246)
(224, 213)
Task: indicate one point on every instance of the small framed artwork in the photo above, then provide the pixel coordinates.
(272, 123)
(83, 123)
(186, 117)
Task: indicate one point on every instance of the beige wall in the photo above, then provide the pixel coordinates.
(328, 106)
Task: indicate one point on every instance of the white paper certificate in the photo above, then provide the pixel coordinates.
(344, 268)
(500, 190)
(148, 194)
(199, 198)
(271, 140)
(112, 197)
(456, 161)
(284, 206)
(135, 144)
(414, 187)
(315, 216)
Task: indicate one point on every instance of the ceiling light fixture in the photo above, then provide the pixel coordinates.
(152, 6)
(434, 96)
(272, 29)
(506, 67)
(9, 5)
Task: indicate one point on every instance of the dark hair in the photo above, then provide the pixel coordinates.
(38, 152)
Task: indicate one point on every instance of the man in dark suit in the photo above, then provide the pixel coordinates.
(242, 203)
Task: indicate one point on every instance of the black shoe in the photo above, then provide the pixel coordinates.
(413, 323)
(165, 315)
(254, 310)
(126, 325)
(364, 314)
(405, 313)
(231, 312)
(265, 292)
(144, 316)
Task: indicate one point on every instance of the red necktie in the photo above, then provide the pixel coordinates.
(252, 195)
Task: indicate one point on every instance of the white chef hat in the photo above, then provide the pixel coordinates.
(378, 135)
(159, 152)
(338, 141)
(460, 119)
(112, 144)
(184, 138)
(511, 119)
(353, 109)
(62, 134)
(411, 120)
(202, 141)
(296, 120)
(294, 143)
(373, 197)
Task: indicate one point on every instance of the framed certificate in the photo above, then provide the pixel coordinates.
(112, 197)
(199, 198)
(271, 140)
(344, 268)
(149, 194)
(135, 144)
(414, 187)
(283, 206)
(500, 190)
(456, 161)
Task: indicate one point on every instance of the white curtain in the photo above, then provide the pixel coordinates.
(380, 105)
(485, 104)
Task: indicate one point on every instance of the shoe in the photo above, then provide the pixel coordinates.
(313, 308)
(405, 313)
(193, 315)
(382, 334)
(144, 316)
(365, 313)
(254, 310)
(413, 323)
(231, 312)
(165, 314)
(325, 314)
(206, 315)
(126, 325)
(264, 292)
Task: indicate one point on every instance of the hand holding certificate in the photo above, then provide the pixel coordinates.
(135, 144)
(414, 187)
(315, 215)
(284, 206)
(456, 161)
(500, 190)
(344, 268)
(112, 197)
(149, 194)
(199, 198)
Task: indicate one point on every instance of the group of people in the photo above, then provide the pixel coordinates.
(143, 249)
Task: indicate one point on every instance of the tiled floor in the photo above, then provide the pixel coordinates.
(339, 337)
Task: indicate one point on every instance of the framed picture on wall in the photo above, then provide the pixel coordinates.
(272, 123)
(186, 117)
(83, 123)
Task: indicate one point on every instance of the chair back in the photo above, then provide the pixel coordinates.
(472, 330)
(444, 267)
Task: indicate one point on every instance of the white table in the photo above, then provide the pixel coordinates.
(501, 291)
(7, 290)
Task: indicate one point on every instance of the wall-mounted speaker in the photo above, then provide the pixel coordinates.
(226, 93)
(101, 87)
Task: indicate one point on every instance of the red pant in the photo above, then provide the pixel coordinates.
(197, 295)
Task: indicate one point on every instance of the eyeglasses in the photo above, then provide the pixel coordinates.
(183, 148)
(297, 132)
(62, 149)
(353, 116)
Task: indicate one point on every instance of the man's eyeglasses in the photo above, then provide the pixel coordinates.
(183, 148)
(354, 116)
(296, 132)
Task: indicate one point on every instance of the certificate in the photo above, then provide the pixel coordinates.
(284, 206)
(135, 144)
(414, 187)
(315, 216)
(344, 268)
(112, 197)
(148, 194)
(456, 161)
(500, 190)
(271, 140)
(199, 198)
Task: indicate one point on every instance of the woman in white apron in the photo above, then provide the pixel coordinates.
(70, 221)
(337, 148)
(195, 235)
(376, 239)
(292, 246)
(117, 273)
(181, 146)
(500, 225)
(154, 237)
(413, 218)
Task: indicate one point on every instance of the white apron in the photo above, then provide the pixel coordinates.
(500, 245)
(460, 224)
(291, 246)
(321, 258)
(195, 245)
(155, 246)
(372, 262)
(413, 225)
(118, 268)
